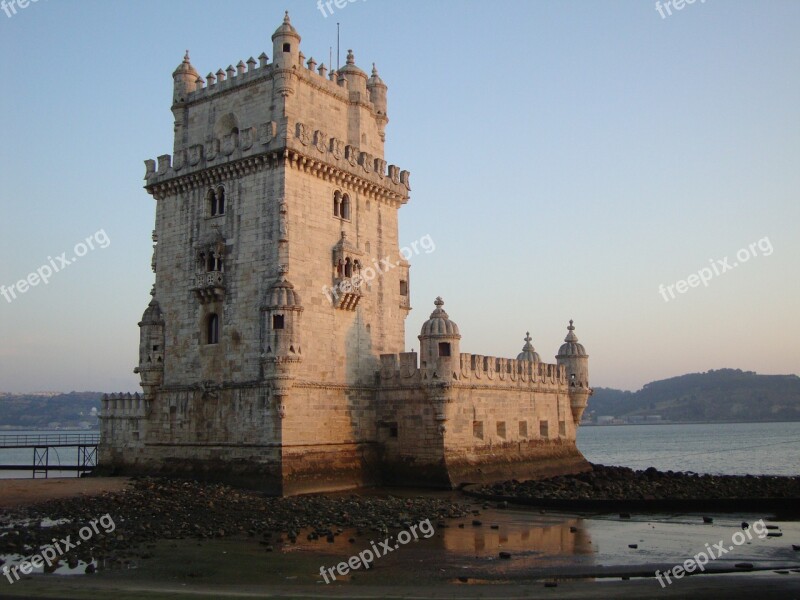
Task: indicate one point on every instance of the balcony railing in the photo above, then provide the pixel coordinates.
(209, 286)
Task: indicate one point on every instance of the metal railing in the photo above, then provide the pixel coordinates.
(49, 439)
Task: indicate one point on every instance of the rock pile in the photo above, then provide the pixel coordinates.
(622, 483)
(157, 509)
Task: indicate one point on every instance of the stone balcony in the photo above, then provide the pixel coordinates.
(347, 292)
(209, 287)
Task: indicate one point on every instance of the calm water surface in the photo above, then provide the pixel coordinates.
(730, 448)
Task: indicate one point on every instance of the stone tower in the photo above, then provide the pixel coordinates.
(269, 311)
(271, 353)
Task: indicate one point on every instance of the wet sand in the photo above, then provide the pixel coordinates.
(21, 492)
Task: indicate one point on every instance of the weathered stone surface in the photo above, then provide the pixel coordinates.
(272, 353)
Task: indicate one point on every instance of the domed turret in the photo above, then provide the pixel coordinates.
(571, 346)
(185, 79)
(377, 92)
(356, 78)
(286, 45)
(151, 349)
(573, 356)
(283, 296)
(152, 315)
(439, 341)
(281, 324)
(528, 351)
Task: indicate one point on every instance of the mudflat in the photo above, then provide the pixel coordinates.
(21, 492)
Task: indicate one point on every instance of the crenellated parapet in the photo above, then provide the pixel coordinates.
(265, 145)
(475, 370)
(124, 406)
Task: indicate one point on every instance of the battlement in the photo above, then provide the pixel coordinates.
(403, 369)
(269, 142)
(251, 71)
(123, 406)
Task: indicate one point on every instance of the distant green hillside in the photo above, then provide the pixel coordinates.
(65, 411)
(723, 395)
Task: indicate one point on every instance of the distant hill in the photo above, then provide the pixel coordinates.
(715, 396)
(44, 411)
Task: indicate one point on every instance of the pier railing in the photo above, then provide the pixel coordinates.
(86, 444)
(49, 439)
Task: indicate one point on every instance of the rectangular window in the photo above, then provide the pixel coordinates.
(277, 321)
(523, 429)
(562, 428)
(393, 430)
(403, 287)
(477, 429)
(544, 430)
(444, 348)
(501, 429)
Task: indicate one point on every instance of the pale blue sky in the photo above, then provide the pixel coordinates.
(566, 157)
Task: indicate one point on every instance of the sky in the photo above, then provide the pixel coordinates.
(567, 159)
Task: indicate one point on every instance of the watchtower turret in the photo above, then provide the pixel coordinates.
(184, 80)
(573, 356)
(151, 349)
(440, 350)
(286, 45)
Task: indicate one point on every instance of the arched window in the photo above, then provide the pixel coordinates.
(348, 268)
(346, 207)
(212, 329)
(220, 200)
(216, 201)
(337, 204)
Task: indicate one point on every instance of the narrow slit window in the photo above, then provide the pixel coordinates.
(212, 329)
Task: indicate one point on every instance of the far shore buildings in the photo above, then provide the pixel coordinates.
(272, 351)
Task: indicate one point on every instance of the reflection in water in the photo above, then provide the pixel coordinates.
(518, 533)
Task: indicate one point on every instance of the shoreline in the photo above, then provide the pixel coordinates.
(189, 539)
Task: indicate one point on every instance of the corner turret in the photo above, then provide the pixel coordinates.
(185, 79)
(528, 351)
(286, 45)
(151, 349)
(573, 356)
(355, 77)
(440, 350)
